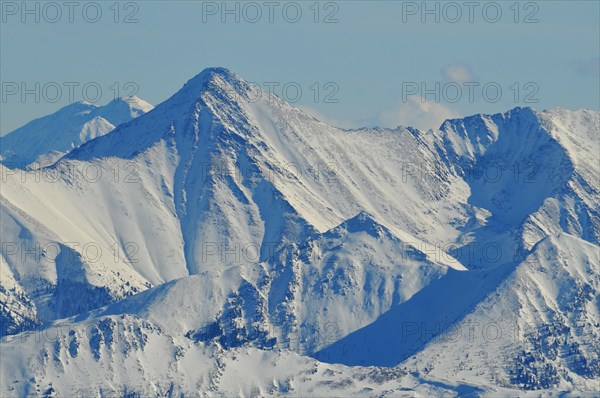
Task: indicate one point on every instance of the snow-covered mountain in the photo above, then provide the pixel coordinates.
(43, 141)
(244, 233)
(533, 325)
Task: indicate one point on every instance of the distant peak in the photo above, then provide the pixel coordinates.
(480, 118)
(210, 74)
(521, 111)
(217, 70)
(131, 103)
(477, 118)
(127, 100)
(209, 80)
(79, 105)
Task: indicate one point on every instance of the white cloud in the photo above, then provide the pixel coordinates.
(459, 73)
(416, 113)
(589, 67)
(326, 119)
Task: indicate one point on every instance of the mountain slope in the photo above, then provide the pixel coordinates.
(539, 329)
(43, 141)
(132, 349)
(530, 174)
(530, 327)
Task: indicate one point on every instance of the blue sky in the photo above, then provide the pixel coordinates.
(373, 63)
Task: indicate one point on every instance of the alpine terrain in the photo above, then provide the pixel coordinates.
(226, 243)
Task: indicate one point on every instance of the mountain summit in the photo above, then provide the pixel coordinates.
(43, 141)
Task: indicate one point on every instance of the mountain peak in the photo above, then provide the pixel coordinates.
(362, 222)
(212, 74)
(123, 109)
(207, 80)
(75, 107)
(45, 140)
(130, 100)
(217, 70)
(479, 118)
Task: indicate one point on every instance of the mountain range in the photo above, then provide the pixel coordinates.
(222, 245)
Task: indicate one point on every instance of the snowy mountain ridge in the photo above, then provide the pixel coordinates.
(217, 227)
(43, 141)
